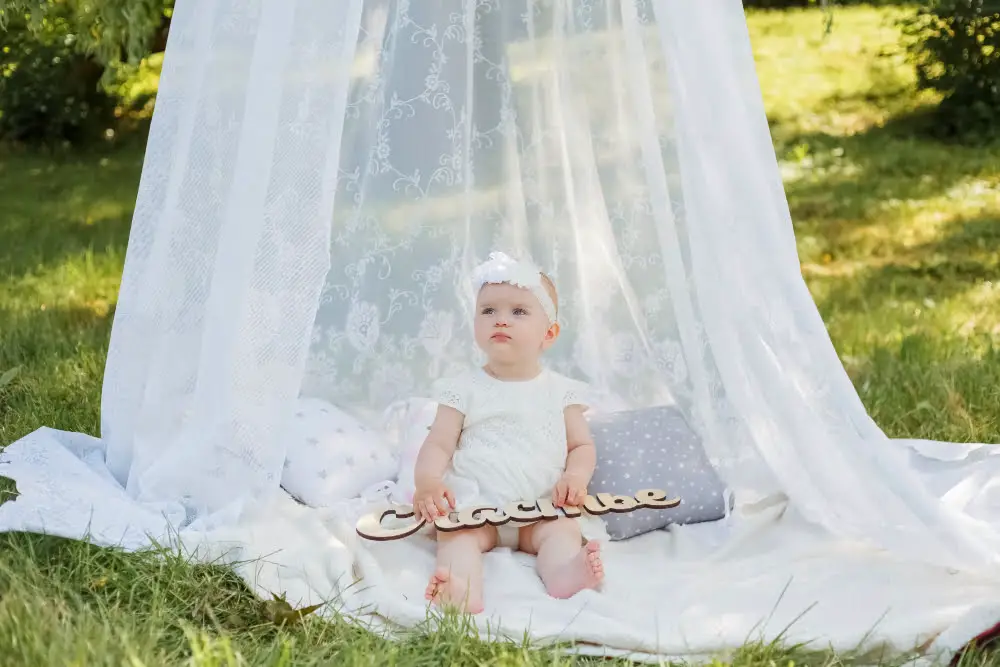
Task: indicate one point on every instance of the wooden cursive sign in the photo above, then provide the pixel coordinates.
(372, 527)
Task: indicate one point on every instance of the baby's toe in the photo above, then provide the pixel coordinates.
(438, 579)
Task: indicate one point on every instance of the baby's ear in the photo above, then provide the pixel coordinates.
(552, 333)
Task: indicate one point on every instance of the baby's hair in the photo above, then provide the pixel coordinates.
(550, 287)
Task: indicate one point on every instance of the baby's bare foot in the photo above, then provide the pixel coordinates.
(585, 570)
(444, 592)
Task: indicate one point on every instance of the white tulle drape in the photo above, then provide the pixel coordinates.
(777, 368)
(228, 248)
(322, 175)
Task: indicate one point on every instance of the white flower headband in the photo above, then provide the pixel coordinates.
(500, 268)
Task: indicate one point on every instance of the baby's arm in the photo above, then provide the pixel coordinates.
(431, 498)
(581, 458)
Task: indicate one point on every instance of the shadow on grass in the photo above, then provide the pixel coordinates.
(845, 181)
(934, 388)
(947, 267)
(61, 353)
(56, 205)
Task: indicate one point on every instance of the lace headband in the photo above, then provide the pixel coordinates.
(500, 268)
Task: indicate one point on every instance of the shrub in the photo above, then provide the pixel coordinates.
(955, 46)
(48, 90)
(790, 4)
(778, 4)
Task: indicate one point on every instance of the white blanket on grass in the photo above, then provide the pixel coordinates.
(691, 593)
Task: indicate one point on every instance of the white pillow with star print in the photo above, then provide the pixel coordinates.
(331, 456)
(654, 448)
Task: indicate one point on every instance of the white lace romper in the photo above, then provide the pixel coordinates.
(513, 442)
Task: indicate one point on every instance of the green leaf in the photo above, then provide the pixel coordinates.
(9, 376)
(8, 490)
(278, 611)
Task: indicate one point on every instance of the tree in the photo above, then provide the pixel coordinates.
(112, 32)
(61, 61)
(955, 46)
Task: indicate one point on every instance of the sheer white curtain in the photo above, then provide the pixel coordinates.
(228, 248)
(778, 369)
(491, 125)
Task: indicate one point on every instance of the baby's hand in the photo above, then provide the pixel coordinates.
(433, 500)
(570, 490)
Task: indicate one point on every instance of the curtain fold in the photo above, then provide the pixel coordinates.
(228, 248)
(776, 362)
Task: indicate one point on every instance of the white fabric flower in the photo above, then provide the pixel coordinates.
(502, 268)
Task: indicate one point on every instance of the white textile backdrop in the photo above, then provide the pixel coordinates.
(320, 178)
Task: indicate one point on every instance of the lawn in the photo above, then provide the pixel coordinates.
(899, 239)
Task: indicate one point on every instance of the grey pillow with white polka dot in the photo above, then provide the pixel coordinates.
(654, 448)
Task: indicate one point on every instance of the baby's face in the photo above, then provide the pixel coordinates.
(511, 326)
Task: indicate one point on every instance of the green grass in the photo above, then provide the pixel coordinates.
(899, 237)
(900, 244)
(62, 244)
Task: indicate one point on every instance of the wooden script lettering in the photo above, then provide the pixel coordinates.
(372, 527)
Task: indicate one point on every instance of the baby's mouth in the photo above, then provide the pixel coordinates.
(500, 337)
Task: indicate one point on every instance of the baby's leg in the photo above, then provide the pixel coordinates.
(565, 563)
(458, 578)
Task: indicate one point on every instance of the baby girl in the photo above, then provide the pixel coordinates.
(510, 431)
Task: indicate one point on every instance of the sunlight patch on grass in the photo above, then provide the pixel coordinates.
(75, 207)
(841, 83)
(914, 229)
(85, 284)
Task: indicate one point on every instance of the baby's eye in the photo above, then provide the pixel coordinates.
(487, 311)
(520, 311)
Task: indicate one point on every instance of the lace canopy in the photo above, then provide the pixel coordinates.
(322, 176)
